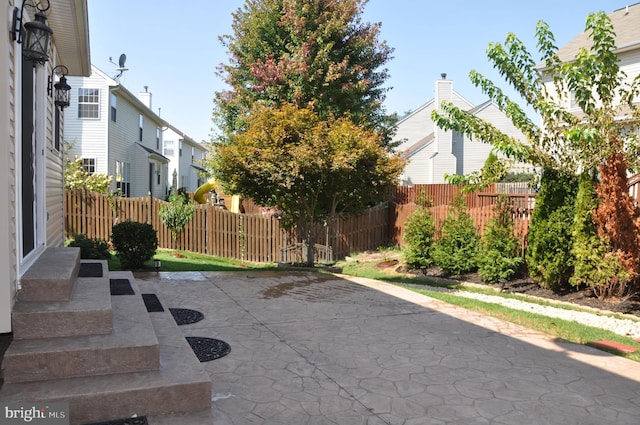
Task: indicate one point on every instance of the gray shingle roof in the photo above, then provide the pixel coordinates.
(626, 25)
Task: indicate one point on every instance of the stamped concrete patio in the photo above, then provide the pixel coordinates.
(311, 349)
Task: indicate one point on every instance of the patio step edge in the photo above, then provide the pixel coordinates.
(86, 312)
(131, 347)
(51, 277)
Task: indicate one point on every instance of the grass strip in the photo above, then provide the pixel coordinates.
(561, 328)
(184, 261)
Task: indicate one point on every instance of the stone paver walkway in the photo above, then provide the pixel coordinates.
(312, 349)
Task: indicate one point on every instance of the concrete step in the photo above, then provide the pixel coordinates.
(86, 312)
(180, 384)
(52, 276)
(131, 347)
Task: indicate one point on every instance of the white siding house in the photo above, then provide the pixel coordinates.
(117, 133)
(626, 26)
(433, 152)
(185, 158)
(31, 214)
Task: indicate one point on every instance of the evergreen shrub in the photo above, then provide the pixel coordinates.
(135, 243)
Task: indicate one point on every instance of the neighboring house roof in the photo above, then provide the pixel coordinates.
(626, 25)
(153, 153)
(416, 147)
(185, 137)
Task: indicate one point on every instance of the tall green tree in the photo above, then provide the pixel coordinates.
(315, 54)
(598, 139)
(308, 168)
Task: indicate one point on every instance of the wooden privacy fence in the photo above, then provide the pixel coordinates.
(259, 237)
(520, 206)
(212, 231)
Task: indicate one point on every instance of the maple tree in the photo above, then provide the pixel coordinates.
(315, 54)
(309, 169)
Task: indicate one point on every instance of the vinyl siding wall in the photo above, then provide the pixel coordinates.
(87, 137)
(54, 179)
(8, 250)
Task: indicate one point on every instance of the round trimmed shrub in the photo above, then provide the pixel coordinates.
(135, 243)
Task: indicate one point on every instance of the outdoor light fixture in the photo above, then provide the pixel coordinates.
(63, 90)
(36, 35)
(157, 264)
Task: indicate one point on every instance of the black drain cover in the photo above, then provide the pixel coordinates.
(185, 316)
(208, 349)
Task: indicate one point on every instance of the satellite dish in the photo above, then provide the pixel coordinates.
(121, 67)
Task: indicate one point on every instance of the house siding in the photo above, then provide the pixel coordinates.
(434, 153)
(87, 137)
(66, 19)
(419, 170)
(110, 141)
(8, 260)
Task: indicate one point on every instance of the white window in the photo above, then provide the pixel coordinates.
(88, 103)
(158, 138)
(141, 124)
(89, 165)
(169, 148)
(123, 174)
(180, 142)
(113, 107)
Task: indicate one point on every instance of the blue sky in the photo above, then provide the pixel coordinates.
(173, 47)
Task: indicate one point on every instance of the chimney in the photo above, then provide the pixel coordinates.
(145, 97)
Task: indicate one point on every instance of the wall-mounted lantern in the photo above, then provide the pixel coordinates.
(62, 94)
(35, 36)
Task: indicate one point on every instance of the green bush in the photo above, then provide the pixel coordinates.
(418, 239)
(594, 265)
(90, 248)
(549, 257)
(177, 213)
(135, 243)
(498, 256)
(457, 249)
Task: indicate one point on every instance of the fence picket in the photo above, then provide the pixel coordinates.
(259, 237)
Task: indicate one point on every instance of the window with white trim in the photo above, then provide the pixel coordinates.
(89, 165)
(113, 107)
(169, 148)
(141, 125)
(123, 173)
(88, 103)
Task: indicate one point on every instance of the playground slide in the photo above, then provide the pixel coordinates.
(204, 189)
(208, 186)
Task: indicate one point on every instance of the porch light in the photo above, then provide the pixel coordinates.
(62, 89)
(36, 34)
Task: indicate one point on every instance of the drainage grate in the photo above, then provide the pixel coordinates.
(142, 420)
(152, 303)
(185, 316)
(121, 287)
(90, 270)
(208, 349)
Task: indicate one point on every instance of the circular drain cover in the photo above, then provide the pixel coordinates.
(185, 316)
(208, 349)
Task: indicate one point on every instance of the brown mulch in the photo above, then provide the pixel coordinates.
(527, 286)
(524, 286)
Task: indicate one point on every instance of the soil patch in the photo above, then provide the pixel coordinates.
(524, 286)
